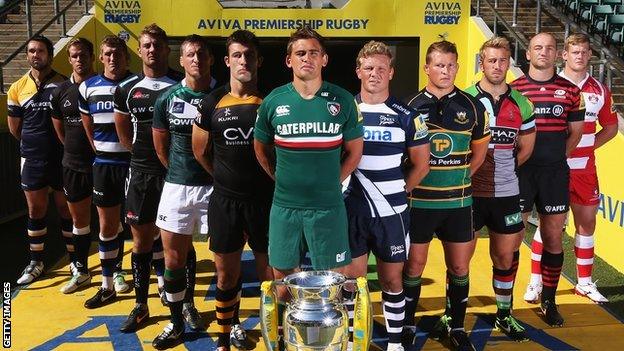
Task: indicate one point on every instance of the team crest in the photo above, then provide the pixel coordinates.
(461, 117)
(333, 108)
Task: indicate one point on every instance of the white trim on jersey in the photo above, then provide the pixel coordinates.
(377, 197)
(379, 163)
(109, 146)
(103, 118)
(377, 108)
(587, 140)
(578, 162)
(314, 139)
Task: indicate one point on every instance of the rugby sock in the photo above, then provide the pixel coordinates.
(348, 300)
(411, 290)
(191, 271)
(226, 302)
(82, 244)
(36, 237)
(584, 252)
(141, 274)
(120, 252)
(502, 282)
(68, 237)
(458, 299)
(175, 291)
(551, 271)
(236, 317)
(394, 314)
(109, 250)
(514, 268)
(536, 257)
(158, 260)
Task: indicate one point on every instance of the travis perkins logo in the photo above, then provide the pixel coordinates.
(442, 12)
(122, 11)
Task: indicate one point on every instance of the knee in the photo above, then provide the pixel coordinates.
(141, 245)
(414, 268)
(37, 210)
(393, 286)
(226, 280)
(502, 260)
(173, 260)
(458, 270)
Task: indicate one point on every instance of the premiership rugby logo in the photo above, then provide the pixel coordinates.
(333, 108)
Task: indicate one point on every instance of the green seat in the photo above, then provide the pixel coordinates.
(599, 15)
(583, 12)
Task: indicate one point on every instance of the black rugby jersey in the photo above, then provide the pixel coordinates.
(230, 121)
(135, 97)
(556, 102)
(78, 154)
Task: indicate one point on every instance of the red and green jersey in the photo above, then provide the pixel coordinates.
(308, 135)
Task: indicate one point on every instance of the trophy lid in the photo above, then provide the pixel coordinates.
(315, 284)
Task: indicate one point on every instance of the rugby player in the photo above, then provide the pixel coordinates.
(304, 129)
(77, 158)
(238, 211)
(459, 132)
(376, 198)
(134, 109)
(110, 167)
(584, 190)
(496, 199)
(187, 184)
(29, 109)
(558, 111)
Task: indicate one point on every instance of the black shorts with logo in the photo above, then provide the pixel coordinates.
(38, 174)
(109, 184)
(232, 222)
(386, 236)
(545, 187)
(143, 196)
(500, 214)
(77, 185)
(448, 224)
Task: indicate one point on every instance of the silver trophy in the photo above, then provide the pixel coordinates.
(315, 319)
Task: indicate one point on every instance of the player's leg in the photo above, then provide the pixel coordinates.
(55, 180)
(528, 193)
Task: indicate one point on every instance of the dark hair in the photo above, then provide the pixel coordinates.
(154, 31)
(243, 37)
(114, 41)
(195, 39)
(444, 46)
(304, 32)
(86, 44)
(41, 39)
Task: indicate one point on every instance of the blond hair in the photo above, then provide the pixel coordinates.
(494, 43)
(575, 39)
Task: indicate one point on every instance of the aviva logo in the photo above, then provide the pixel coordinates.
(441, 145)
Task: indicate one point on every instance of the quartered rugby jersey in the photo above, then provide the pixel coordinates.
(598, 107)
(78, 154)
(97, 99)
(454, 121)
(555, 103)
(510, 116)
(135, 97)
(175, 112)
(308, 137)
(377, 186)
(31, 103)
(230, 121)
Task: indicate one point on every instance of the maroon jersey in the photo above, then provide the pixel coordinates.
(556, 102)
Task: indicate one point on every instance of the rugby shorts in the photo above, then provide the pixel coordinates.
(38, 174)
(584, 189)
(387, 237)
(143, 196)
(77, 185)
(448, 224)
(233, 222)
(109, 184)
(184, 208)
(546, 188)
(500, 214)
(323, 232)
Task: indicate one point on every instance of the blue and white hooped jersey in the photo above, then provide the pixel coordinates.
(377, 186)
(97, 99)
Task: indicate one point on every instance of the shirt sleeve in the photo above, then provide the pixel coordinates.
(54, 101)
(577, 110)
(263, 130)
(353, 127)
(607, 114)
(120, 99)
(205, 110)
(14, 109)
(481, 130)
(160, 120)
(526, 111)
(83, 105)
(417, 132)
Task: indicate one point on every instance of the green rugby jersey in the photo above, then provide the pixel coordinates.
(454, 121)
(308, 137)
(175, 111)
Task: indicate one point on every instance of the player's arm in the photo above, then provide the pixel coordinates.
(15, 126)
(14, 119)
(480, 138)
(265, 153)
(419, 158)
(59, 129)
(607, 133)
(352, 153)
(202, 146)
(575, 132)
(87, 119)
(87, 123)
(123, 126)
(524, 147)
(607, 117)
(161, 144)
(479, 150)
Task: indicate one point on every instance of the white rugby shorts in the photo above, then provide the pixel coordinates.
(183, 207)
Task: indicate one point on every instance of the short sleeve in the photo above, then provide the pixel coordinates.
(54, 101)
(416, 133)
(353, 127)
(83, 106)
(120, 98)
(14, 108)
(607, 114)
(526, 111)
(206, 108)
(577, 108)
(263, 130)
(481, 130)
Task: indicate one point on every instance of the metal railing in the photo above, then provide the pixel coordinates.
(58, 18)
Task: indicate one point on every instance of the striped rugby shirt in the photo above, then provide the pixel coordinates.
(97, 99)
(510, 116)
(308, 137)
(598, 107)
(555, 103)
(377, 186)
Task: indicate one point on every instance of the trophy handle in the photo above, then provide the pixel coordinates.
(362, 317)
(268, 315)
